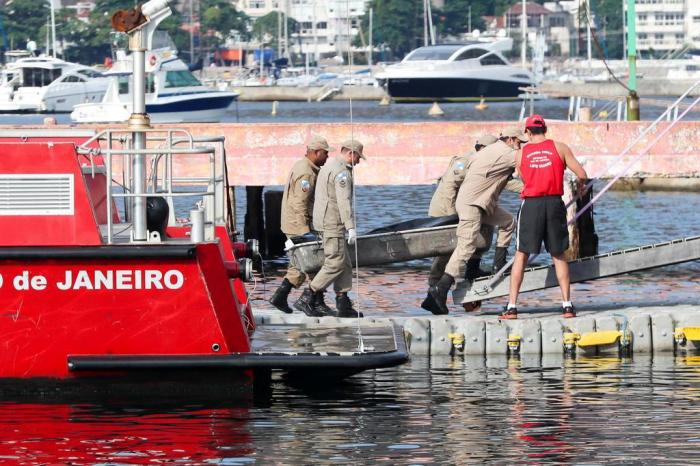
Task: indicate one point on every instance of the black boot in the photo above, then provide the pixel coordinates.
(279, 297)
(307, 304)
(321, 307)
(439, 293)
(500, 259)
(429, 304)
(473, 271)
(344, 305)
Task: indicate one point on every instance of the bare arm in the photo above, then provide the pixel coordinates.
(571, 162)
(518, 157)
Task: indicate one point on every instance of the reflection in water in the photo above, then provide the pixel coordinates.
(432, 411)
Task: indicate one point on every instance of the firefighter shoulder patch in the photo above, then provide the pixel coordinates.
(342, 179)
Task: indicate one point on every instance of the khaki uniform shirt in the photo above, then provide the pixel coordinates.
(333, 205)
(298, 198)
(443, 201)
(488, 172)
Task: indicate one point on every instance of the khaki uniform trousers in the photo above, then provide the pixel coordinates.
(471, 218)
(295, 276)
(336, 269)
(484, 241)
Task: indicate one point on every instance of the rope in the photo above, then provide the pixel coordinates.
(361, 344)
(600, 49)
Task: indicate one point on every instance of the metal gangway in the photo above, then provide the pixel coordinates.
(587, 268)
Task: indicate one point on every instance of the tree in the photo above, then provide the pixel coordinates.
(453, 18)
(398, 24)
(25, 20)
(218, 19)
(608, 15)
(267, 26)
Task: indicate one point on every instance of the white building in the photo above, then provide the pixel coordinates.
(326, 27)
(665, 26)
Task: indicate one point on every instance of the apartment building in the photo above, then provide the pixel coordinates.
(326, 27)
(664, 26)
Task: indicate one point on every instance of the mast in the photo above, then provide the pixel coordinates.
(425, 22)
(369, 59)
(523, 30)
(633, 98)
(588, 31)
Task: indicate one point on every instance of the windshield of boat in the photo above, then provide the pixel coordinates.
(181, 78)
(124, 83)
(38, 77)
(435, 52)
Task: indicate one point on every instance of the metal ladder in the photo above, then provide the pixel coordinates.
(587, 268)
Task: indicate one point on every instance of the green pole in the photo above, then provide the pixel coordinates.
(633, 97)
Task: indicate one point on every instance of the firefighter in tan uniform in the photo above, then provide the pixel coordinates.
(333, 217)
(443, 204)
(297, 211)
(477, 203)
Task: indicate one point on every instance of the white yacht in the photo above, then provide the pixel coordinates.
(48, 84)
(173, 93)
(456, 72)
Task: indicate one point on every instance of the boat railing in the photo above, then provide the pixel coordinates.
(162, 176)
(116, 146)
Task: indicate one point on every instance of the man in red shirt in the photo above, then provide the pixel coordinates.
(542, 217)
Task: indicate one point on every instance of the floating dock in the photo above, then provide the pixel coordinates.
(624, 331)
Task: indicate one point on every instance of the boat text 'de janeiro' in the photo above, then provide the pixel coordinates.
(98, 280)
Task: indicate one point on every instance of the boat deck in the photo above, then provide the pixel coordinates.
(324, 338)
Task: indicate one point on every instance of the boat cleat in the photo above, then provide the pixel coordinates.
(682, 335)
(598, 341)
(457, 340)
(514, 343)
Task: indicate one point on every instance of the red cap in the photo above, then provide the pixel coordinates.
(535, 121)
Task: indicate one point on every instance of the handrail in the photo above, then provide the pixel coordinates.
(497, 276)
(634, 142)
(170, 137)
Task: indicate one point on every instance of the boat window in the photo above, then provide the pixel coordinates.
(437, 52)
(90, 73)
(180, 78)
(471, 53)
(522, 76)
(124, 84)
(492, 59)
(37, 77)
(73, 79)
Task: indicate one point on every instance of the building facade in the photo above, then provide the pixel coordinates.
(326, 27)
(666, 26)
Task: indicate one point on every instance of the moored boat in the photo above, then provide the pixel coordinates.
(173, 93)
(456, 72)
(105, 292)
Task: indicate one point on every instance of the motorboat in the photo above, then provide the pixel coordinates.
(48, 84)
(456, 72)
(107, 294)
(173, 93)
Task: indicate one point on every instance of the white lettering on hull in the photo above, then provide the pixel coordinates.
(121, 280)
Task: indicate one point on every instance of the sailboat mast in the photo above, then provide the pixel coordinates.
(523, 28)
